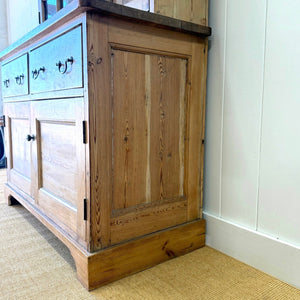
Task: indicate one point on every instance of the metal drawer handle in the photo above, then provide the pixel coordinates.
(20, 79)
(36, 73)
(62, 68)
(30, 137)
(6, 83)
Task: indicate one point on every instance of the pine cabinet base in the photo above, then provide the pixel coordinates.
(105, 115)
(110, 264)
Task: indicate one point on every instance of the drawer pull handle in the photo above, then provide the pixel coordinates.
(36, 73)
(30, 137)
(6, 83)
(20, 79)
(62, 68)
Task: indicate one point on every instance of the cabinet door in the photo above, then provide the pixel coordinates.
(59, 162)
(18, 147)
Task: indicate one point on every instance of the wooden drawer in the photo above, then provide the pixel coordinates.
(15, 77)
(57, 65)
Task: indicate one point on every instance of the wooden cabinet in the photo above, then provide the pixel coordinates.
(106, 147)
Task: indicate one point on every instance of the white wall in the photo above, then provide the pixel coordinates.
(22, 17)
(3, 38)
(252, 158)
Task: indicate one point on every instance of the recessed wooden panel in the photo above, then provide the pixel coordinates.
(129, 129)
(18, 149)
(149, 117)
(20, 128)
(167, 127)
(148, 133)
(59, 164)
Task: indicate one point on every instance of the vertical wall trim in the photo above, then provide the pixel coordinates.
(261, 117)
(222, 107)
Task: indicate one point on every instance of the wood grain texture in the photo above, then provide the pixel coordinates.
(140, 35)
(195, 11)
(129, 129)
(167, 128)
(149, 113)
(100, 134)
(147, 220)
(196, 129)
(117, 262)
(17, 147)
(140, 167)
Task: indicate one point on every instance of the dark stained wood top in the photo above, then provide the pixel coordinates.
(106, 8)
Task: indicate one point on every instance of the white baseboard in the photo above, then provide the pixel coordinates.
(272, 256)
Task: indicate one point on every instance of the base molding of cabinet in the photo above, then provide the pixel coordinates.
(110, 264)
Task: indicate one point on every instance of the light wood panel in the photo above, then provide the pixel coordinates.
(100, 135)
(18, 148)
(168, 116)
(149, 127)
(117, 262)
(195, 11)
(129, 129)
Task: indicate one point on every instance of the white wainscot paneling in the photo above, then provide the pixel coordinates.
(3, 25)
(267, 254)
(214, 106)
(22, 17)
(279, 197)
(242, 110)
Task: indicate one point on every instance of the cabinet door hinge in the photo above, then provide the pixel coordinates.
(84, 209)
(84, 132)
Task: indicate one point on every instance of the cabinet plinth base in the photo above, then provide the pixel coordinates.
(107, 265)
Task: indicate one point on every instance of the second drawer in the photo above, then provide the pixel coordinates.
(57, 65)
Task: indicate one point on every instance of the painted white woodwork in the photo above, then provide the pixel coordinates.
(214, 107)
(252, 162)
(278, 258)
(22, 17)
(242, 109)
(279, 204)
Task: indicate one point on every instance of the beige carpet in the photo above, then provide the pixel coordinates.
(34, 264)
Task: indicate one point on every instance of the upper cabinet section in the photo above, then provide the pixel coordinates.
(57, 65)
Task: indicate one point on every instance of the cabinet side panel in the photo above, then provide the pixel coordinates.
(100, 133)
(149, 142)
(168, 114)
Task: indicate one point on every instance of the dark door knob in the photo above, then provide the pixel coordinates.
(30, 137)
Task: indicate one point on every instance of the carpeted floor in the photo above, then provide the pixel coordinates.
(34, 264)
